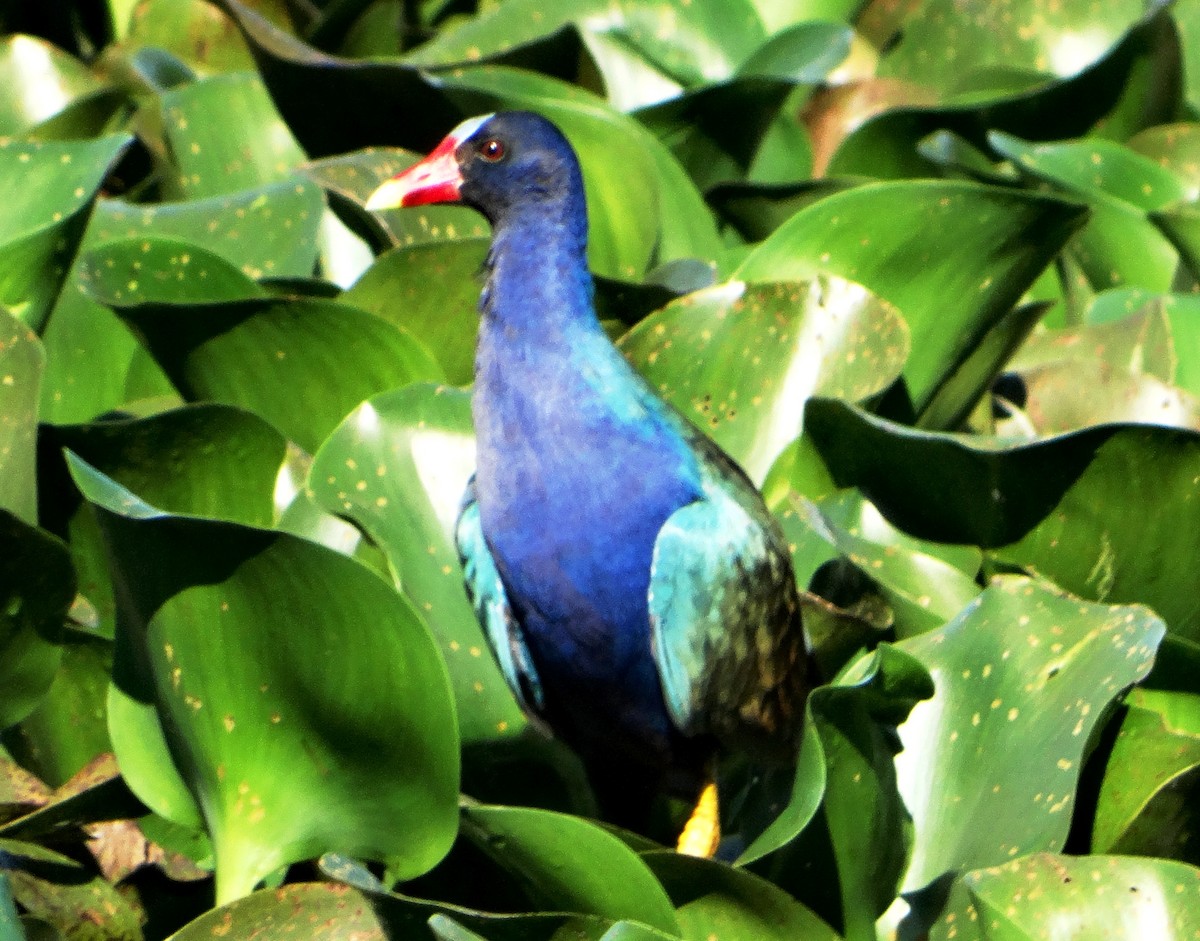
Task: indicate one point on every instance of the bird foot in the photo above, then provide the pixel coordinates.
(702, 833)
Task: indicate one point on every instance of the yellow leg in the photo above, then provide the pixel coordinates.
(702, 833)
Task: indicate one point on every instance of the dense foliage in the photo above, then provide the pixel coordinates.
(926, 268)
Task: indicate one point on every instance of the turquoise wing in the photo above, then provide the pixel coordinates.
(725, 619)
(490, 600)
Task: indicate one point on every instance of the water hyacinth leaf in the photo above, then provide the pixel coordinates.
(1176, 148)
(1023, 670)
(397, 467)
(37, 584)
(197, 33)
(269, 231)
(886, 144)
(976, 374)
(1181, 225)
(39, 81)
(260, 650)
(65, 894)
(69, 726)
(1104, 512)
(224, 135)
(869, 825)
(441, 310)
(850, 740)
(1148, 791)
(22, 361)
(335, 105)
(914, 244)
(688, 42)
(1122, 532)
(740, 360)
(302, 364)
(923, 590)
(44, 187)
(1064, 396)
(1000, 42)
(202, 460)
(1113, 897)
(322, 911)
(568, 864)
(1096, 169)
(1120, 187)
(715, 900)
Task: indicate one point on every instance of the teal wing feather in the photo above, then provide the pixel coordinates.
(725, 616)
(487, 594)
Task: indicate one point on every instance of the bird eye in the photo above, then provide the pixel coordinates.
(492, 150)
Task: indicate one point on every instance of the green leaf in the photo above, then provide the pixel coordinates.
(39, 80)
(270, 231)
(260, 651)
(869, 825)
(37, 584)
(1104, 512)
(1145, 61)
(22, 361)
(67, 895)
(1111, 897)
(44, 188)
(1023, 671)
(741, 360)
(302, 364)
(196, 32)
(1148, 791)
(924, 584)
(397, 467)
(224, 135)
(1005, 40)
(915, 244)
(567, 864)
(321, 911)
(441, 310)
(69, 727)
(1120, 187)
(714, 900)
(1175, 148)
(689, 42)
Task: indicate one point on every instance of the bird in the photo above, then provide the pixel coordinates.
(637, 593)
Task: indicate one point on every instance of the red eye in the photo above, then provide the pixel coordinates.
(492, 150)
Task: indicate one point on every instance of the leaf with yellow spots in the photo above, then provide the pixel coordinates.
(397, 467)
(1118, 898)
(1119, 245)
(37, 584)
(740, 360)
(46, 190)
(224, 135)
(991, 763)
(684, 41)
(269, 231)
(258, 651)
(22, 362)
(717, 901)
(916, 244)
(1148, 796)
(62, 892)
(301, 363)
(1128, 86)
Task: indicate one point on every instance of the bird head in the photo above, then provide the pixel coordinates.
(499, 164)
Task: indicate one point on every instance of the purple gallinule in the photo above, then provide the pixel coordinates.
(637, 593)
